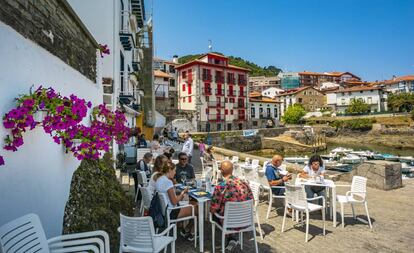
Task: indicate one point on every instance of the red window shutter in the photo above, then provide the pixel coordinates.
(189, 99)
(183, 87)
(231, 112)
(189, 88)
(231, 90)
(226, 111)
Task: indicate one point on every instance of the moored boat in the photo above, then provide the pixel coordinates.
(389, 157)
(351, 159)
(300, 160)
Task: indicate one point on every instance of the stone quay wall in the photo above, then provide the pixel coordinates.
(383, 175)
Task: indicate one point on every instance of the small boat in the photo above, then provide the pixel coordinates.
(351, 159)
(407, 159)
(377, 156)
(333, 165)
(406, 168)
(300, 160)
(330, 156)
(389, 157)
(341, 150)
(367, 154)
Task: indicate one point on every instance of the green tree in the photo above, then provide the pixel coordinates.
(294, 114)
(401, 102)
(358, 106)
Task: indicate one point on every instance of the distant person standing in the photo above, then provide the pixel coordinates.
(201, 148)
(142, 143)
(188, 146)
(155, 144)
(174, 134)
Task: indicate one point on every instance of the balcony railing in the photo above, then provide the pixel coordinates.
(240, 117)
(242, 93)
(216, 117)
(160, 94)
(207, 91)
(231, 93)
(239, 105)
(125, 33)
(231, 80)
(206, 77)
(219, 79)
(265, 116)
(242, 81)
(220, 92)
(215, 104)
(135, 59)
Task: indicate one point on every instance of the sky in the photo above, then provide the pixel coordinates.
(373, 39)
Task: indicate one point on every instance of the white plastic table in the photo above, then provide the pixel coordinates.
(202, 201)
(329, 185)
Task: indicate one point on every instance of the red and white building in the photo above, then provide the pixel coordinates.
(215, 91)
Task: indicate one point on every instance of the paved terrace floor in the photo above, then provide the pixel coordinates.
(391, 215)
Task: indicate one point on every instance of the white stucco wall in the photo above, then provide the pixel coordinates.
(36, 178)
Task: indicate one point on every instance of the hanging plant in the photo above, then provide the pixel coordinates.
(62, 121)
(103, 49)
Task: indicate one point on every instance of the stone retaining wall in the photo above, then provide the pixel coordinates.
(382, 175)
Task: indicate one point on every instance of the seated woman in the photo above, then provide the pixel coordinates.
(164, 184)
(160, 162)
(208, 156)
(314, 169)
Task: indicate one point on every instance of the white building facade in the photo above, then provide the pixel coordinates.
(264, 111)
(375, 97)
(37, 177)
(272, 92)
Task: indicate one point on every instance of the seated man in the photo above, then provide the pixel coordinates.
(184, 170)
(230, 189)
(275, 175)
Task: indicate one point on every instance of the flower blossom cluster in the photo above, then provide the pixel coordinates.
(63, 123)
(103, 49)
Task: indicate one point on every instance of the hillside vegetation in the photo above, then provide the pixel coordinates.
(255, 69)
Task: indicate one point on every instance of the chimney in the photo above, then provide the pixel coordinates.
(175, 59)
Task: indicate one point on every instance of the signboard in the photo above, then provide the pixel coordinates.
(250, 132)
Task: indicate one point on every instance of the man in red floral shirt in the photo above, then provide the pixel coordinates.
(230, 189)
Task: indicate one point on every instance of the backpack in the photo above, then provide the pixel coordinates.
(156, 212)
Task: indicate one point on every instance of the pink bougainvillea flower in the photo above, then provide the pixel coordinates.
(1, 160)
(9, 124)
(28, 102)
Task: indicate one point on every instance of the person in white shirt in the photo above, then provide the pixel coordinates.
(155, 144)
(164, 185)
(314, 168)
(188, 146)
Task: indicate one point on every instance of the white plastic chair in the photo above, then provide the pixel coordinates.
(146, 194)
(138, 235)
(142, 181)
(251, 175)
(163, 200)
(271, 197)
(255, 164)
(264, 166)
(26, 234)
(235, 159)
(357, 195)
(296, 199)
(255, 187)
(236, 215)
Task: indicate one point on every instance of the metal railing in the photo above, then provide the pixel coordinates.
(207, 91)
(220, 92)
(206, 77)
(219, 79)
(216, 117)
(125, 27)
(218, 104)
(242, 93)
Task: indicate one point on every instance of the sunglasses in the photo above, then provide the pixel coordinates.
(183, 159)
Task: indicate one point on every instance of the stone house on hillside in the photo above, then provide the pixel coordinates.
(311, 99)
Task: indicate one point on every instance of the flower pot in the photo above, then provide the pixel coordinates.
(39, 116)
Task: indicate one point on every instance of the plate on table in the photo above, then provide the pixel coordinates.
(200, 194)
